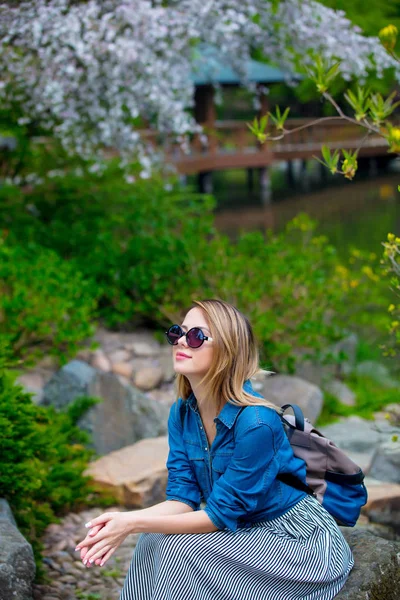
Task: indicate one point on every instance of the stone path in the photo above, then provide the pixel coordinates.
(68, 578)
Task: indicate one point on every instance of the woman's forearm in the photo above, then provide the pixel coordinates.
(189, 522)
(169, 507)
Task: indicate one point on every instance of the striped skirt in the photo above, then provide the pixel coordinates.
(300, 555)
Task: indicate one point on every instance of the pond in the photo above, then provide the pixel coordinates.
(352, 214)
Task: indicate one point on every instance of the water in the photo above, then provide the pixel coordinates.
(352, 214)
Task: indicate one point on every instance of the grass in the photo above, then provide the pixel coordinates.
(371, 397)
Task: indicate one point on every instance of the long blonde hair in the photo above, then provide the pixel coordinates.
(236, 357)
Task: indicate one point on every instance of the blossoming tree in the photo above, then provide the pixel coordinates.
(92, 72)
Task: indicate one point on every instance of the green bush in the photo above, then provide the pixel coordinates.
(42, 458)
(46, 305)
(151, 250)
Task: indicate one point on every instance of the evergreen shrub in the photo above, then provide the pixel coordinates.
(46, 305)
(42, 458)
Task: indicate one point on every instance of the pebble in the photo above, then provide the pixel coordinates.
(66, 577)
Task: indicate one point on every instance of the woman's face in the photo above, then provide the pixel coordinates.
(193, 362)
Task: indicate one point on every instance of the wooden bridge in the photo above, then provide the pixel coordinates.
(231, 145)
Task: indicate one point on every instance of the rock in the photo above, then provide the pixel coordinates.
(100, 361)
(145, 349)
(341, 391)
(124, 416)
(383, 504)
(166, 364)
(33, 383)
(288, 389)
(17, 565)
(6, 512)
(386, 462)
(136, 475)
(347, 346)
(376, 573)
(148, 378)
(119, 356)
(317, 373)
(377, 372)
(123, 368)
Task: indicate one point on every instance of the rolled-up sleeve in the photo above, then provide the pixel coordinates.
(182, 484)
(251, 471)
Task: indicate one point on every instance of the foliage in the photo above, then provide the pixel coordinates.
(371, 397)
(42, 458)
(94, 72)
(134, 241)
(46, 305)
(369, 15)
(392, 262)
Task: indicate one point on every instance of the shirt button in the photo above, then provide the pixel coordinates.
(201, 427)
(206, 448)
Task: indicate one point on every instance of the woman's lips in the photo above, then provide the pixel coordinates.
(181, 356)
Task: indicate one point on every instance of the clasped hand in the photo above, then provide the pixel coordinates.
(106, 533)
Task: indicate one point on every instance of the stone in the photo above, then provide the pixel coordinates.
(123, 368)
(341, 391)
(386, 461)
(124, 415)
(145, 349)
(100, 361)
(135, 475)
(148, 378)
(17, 565)
(376, 573)
(119, 356)
(6, 512)
(377, 372)
(383, 504)
(347, 346)
(288, 389)
(33, 383)
(166, 364)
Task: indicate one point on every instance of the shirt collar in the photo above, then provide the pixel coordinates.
(230, 411)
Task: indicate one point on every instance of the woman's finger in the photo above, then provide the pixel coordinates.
(95, 549)
(101, 520)
(101, 551)
(94, 530)
(107, 556)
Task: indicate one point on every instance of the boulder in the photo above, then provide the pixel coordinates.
(378, 372)
(376, 572)
(318, 373)
(123, 368)
(119, 356)
(288, 389)
(386, 461)
(124, 415)
(341, 391)
(383, 504)
(148, 378)
(135, 475)
(17, 565)
(145, 349)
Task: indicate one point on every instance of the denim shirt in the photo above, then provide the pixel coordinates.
(236, 476)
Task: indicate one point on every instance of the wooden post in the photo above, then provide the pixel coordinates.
(205, 182)
(250, 179)
(265, 186)
(205, 113)
(290, 178)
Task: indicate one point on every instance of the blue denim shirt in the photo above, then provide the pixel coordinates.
(236, 476)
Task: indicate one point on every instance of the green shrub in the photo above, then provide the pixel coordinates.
(151, 250)
(42, 459)
(46, 305)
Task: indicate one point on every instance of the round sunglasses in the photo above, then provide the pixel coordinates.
(194, 337)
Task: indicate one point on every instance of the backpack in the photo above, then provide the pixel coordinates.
(332, 477)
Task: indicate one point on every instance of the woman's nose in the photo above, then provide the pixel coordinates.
(182, 341)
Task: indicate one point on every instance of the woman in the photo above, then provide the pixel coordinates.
(255, 538)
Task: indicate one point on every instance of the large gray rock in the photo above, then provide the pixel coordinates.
(288, 389)
(377, 372)
(124, 416)
(376, 573)
(341, 391)
(17, 565)
(386, 462)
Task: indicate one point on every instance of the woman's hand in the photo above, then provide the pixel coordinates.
(106, 533)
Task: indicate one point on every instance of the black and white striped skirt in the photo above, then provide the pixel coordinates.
(300, 555)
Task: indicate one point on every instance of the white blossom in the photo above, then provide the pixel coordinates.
(87, 71)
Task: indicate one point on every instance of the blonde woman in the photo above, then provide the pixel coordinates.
(229, 529)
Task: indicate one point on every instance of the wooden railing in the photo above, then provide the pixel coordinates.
(232, 145)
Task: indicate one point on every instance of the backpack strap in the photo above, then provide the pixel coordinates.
(298, 415)
(296, 483)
